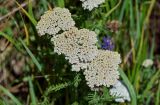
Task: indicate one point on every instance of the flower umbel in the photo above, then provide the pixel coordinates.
(120, 91)
(77, 45)
(102, 71)
(147, 63)
(90, 4)
(54, 21)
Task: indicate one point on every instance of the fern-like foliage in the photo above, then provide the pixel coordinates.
(99, 99)
(54, 88)
(76, 80)
(51, 89)
(45, 101)
(93, 98)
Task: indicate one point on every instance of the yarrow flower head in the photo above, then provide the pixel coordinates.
(77, 45)
(147, 63)
(54, 21)
(90, 4)
(102, 71)
(120, 91)
(107, 44)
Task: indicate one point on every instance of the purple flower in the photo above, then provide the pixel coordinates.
(107, 44)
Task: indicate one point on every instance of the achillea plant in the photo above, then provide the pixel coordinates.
(79, 47)
(75, 62)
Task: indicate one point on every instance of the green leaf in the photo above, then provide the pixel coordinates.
(56, 87)
(30, 9)
(113, 9)
(129, 86)
(27, 14)
(32, 93)
(151, 82)
(158, 95)
(32, 56)
(10, 39)
(14, 99)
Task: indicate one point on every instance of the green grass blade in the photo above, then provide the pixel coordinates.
(122, 10)
(107, 7)
(10, 39)
(2, 102)
(152, 47)
(32, 93)
(14, 99)
(149, 98)
(151, 82)
(158, 95)
(32, 56)
(129, 86)
(30, 9)
(27, 14)
(138, 20)
(146, 22)
(114, 8)
(131, 16)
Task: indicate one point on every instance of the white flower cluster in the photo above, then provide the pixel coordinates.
(54, 21)
(100, 66)
(120, 91)
(102, 71)
(90, 4)
(79, 47)
(147, 63)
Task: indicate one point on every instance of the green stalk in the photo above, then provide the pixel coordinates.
(113, 9)
(158, 95)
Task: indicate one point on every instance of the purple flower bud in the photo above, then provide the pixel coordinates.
(107, 44)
